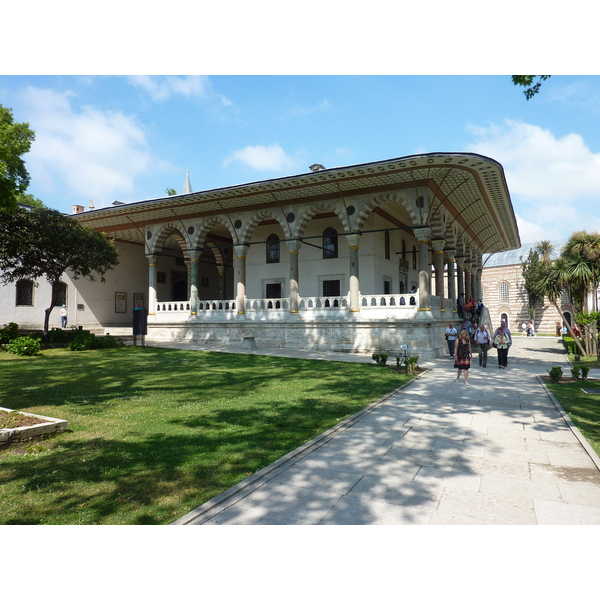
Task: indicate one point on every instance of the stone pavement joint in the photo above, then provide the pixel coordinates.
(498, 452)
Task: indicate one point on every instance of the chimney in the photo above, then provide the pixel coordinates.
(77, 208)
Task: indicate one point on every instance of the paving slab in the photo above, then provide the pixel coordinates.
(436, 452)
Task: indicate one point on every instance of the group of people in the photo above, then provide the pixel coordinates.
(467, 309)
(527, 329)
(460, 346)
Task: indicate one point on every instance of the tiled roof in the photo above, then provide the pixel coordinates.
(516, 257)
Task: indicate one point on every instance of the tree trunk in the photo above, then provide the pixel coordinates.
(47, 320)
(577, 342)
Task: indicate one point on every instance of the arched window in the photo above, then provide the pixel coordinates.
(273, 248)
(24, 292)
(415, 258)
(503, 297)
(387, 245)
(330, 243)
(59, 294)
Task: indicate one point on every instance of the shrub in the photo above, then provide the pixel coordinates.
(8, 333)
(61, 336)
(575, 372)
(584, 372)
(24, 345)
(555, 374)
(380, 359)
(411, 364)
(570, 345)
(84, 340)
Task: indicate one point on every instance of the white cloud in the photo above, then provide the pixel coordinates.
(554, 182)
(92, 153)
(303, 111)
(263, 158)
(162, 88)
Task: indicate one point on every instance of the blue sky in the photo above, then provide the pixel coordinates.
(120, 138)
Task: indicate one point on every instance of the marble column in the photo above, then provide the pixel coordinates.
(468, 289)
(294, 293)
(438, 264)
(240, 278)
(451, 278)
(152, 260)
(354, 304)
(193, 281)
(423, 234)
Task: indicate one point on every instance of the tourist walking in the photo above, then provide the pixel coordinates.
(502, 342)
(63, 316)
(463, 355)
(482, 339)
(450, 335)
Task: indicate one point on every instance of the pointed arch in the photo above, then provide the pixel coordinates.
(204, 227)
(263, 215)
(320, 207)
(166, 231)
(380, 199)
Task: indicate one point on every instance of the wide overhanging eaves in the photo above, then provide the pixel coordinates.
(472, 187)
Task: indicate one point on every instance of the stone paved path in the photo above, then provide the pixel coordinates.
(435, 452)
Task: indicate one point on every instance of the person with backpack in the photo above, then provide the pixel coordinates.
(482, 339)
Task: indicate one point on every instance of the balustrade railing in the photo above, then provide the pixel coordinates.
(383, 303)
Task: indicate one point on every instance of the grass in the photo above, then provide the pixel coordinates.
(590, 361)
(584, 409)
(154, 433)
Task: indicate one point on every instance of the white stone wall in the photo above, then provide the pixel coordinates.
(90, 304)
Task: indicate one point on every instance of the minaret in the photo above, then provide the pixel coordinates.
(187, 186)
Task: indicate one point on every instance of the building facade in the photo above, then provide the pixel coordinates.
(326, 259)
(506, 297)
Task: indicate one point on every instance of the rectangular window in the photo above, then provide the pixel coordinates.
(331, 287)
(273, 290)
(387, 286)
(24, 293)
(204, 282)
(161, 277)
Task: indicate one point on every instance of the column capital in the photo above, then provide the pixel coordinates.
(353, 240)
(294, 245)
(422, 233)
(438, 245)
(241, 250)
(152, 258)
(449, 254)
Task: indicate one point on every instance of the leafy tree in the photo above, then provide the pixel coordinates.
(42, 242)
(527, 81)
(30, 200)
(533, 271)
(15, 140)
(171, 191)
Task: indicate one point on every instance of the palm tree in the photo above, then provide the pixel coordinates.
(555, 281)
(545, 250)
(583, 250)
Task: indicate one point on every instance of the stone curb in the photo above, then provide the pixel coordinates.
(230, 496)
(20, 434)
(572, 426)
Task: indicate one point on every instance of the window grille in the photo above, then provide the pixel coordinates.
(331, 287)
(503, 295)
(24, 292)
(59, 294)
(273, 249)
(330, 243)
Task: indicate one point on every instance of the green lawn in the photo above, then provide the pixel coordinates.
(584, 409)
(154, 433)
